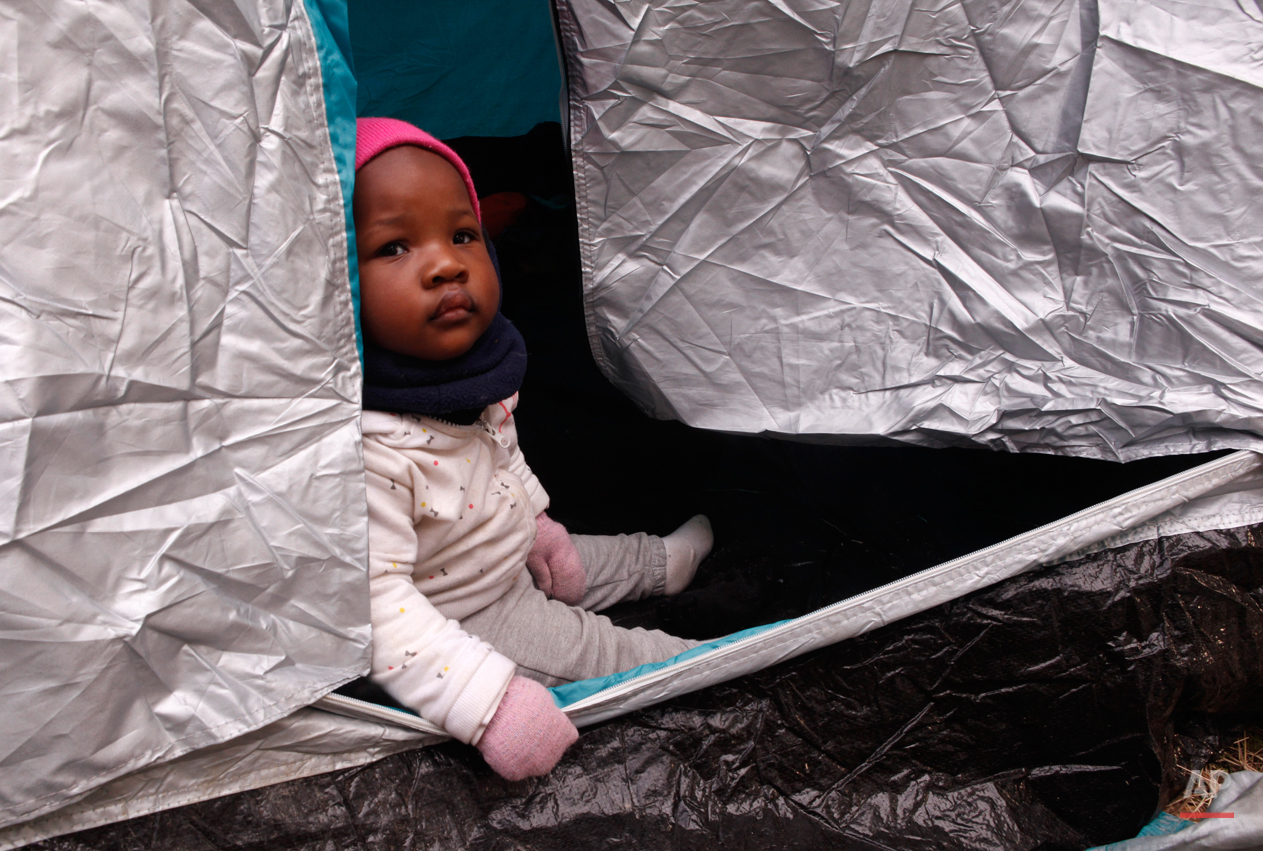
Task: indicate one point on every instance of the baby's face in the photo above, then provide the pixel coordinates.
(427, 285)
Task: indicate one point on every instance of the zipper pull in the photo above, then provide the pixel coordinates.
(498, 438)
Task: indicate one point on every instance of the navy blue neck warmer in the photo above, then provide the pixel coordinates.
(456, 389)
(491, 370)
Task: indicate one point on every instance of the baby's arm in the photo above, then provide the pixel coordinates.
(422, 659)
(427, 662)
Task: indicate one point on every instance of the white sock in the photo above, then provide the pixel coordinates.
(686, 547)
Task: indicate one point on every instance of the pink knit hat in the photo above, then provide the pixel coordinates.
(374, 135)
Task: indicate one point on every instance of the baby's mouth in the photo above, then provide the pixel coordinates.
(453, 306)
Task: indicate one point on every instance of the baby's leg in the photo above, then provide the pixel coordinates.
(621, 567)
(553, 643)
(631, 567)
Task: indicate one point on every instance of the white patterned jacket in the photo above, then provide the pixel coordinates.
(451, 518)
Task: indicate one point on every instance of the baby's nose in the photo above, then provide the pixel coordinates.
(447, 266)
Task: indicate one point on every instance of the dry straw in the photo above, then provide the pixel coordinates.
(1246, 754)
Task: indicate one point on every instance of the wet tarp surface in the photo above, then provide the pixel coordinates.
(1029, 226)
(1046, 712)
(179, 446)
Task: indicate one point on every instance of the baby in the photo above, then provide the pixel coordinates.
(459, 541)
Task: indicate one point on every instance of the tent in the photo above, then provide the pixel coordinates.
(1030, 228)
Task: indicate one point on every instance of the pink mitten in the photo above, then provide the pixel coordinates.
(555, 563)
(528, 733)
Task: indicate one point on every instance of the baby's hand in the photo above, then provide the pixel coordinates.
(554, 563)
(528, 734)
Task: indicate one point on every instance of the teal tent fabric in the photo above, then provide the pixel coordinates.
(569, 693)
(457, 68)
(330, 25)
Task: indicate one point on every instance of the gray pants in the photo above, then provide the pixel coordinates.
(554, 643)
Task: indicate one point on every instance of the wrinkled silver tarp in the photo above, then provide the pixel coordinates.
(1032, 226)
(183, 537)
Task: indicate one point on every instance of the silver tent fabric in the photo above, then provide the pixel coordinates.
(302, 744)
(183, 540)
(1034, 227)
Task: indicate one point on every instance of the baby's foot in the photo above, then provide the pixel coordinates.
(686, 547)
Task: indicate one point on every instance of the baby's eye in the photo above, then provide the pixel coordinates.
(391, 249)
(464, 237)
